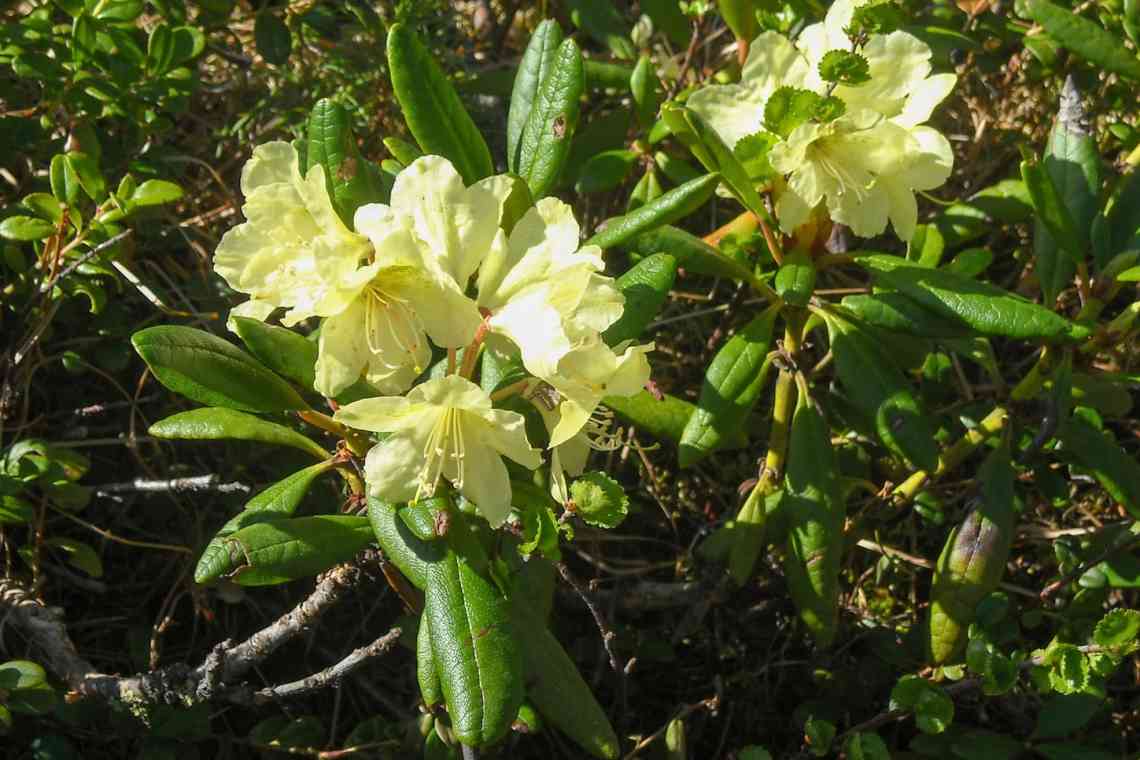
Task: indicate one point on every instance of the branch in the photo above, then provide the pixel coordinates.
(330, 676)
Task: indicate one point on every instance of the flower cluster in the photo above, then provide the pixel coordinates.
(436, 266)
(866, 151)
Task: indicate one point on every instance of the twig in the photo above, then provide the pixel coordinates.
(200, 483)
(608, 635)
(710, 704)
(1082, 568)
(330, 676)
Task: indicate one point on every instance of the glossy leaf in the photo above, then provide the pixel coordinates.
(1051, 209)
(553, 118)
(814, 513)
(645, 287)
(664, 419)
(795, 279)
(1086, 38)
(986, 308)
(277, 551)
(556, 688)
(155, 192)
(408, 553)
(26, 228)
(214, 423)
(432, 108)
(973, 559)
(211, 371)
(878, 388)
(643, 85)
(278, 501)
(670, 207)
(896, 312)
(427, 674)
(691, 253)
(351, 180)
(475, 648)
(272, 36)
(535, 66)
(284, 351)
(731, 387)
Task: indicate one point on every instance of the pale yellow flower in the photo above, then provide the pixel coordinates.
(443, 429)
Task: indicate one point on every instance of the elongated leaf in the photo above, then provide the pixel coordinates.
(1114, 469)
(278, 501)
(550, 125)
(645, 286)
(555, 686)
(285, 352)
(536, 64)
(475, 649)
(692, 253)
(213, 424)
(896, 312)
(732, 384)
(432, 108)
(1085, 38)
(277, 551)
(209, 370)
(814, 512)
(710, 150)
(643, 85)
(973, 559)
(1051, 209)
(25, 228)
(601, 20)
(673, 205)
(985, 308)
(1122, 222)
(878, 388)
(605, 171)
(352, 181)
(272, 37)
(427, 674)
(1072, 162)
(664, 419)
(795, 279)
(408, 553)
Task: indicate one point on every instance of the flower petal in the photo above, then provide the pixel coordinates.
(734, 111)
(342, 351)
(384, 414)
(505, 431)
(392, 467)
(923, 99)
(452, 391)
(449, 316)
(486, 481)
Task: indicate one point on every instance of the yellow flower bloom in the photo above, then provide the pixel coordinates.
(443, 429)
(866, 164)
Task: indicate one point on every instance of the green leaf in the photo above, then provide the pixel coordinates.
(15, 511)
(1119, 628)
(643, 85)
(877, 387)
(647, 189)
(740, 15)
(972, 560)
(1085, 38)
(277, 551)
(703, 141)
(752, 151)
(926, 246)
(1122, 219)
(789, 107)
(601, 20)
(474, 645)
(795, 279)
(1051, 209)
(26, 688)
(605, 171)
(844, 67)
(402, 150)
(1073, 751)
(26, 228)
(692, 253)
(427, 673)
(540, 529)
(278, 501)
(211, 371)
(1068, 668)
(85, 167)
(79, 554)
(645, 286)
(814, 511)
(64, 181)
(731, 387)
(212, 424)
(985, 308)
(45, 206)
(553, 118)
(1063, 714)
(432, 108)
(155, 192)
(283, 351)
(1114, 469)
(535, 66)
(670, 207)
(352, 181)
(599, 500)
(1073, 164)
(272, 37)
(819, 734)
(863, 745)
(896, 312)
(555, 686)
(408, 553)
